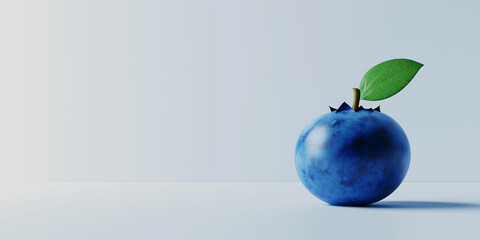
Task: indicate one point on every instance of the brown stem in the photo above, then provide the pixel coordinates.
(356, 99)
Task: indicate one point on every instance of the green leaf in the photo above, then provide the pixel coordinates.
(387, 78)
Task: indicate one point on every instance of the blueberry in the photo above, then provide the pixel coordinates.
(352, 157)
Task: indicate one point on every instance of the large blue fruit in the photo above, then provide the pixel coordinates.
(352, 158)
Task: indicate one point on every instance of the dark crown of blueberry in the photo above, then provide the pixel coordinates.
(346, 107)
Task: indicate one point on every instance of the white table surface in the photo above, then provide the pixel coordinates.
(232, 210)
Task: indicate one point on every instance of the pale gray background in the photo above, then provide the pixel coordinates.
(219, 90)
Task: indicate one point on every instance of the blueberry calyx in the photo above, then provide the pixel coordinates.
(346, 107)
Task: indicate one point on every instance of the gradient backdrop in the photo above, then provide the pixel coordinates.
(188, 90)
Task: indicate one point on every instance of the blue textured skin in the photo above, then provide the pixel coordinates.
(352, 158)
